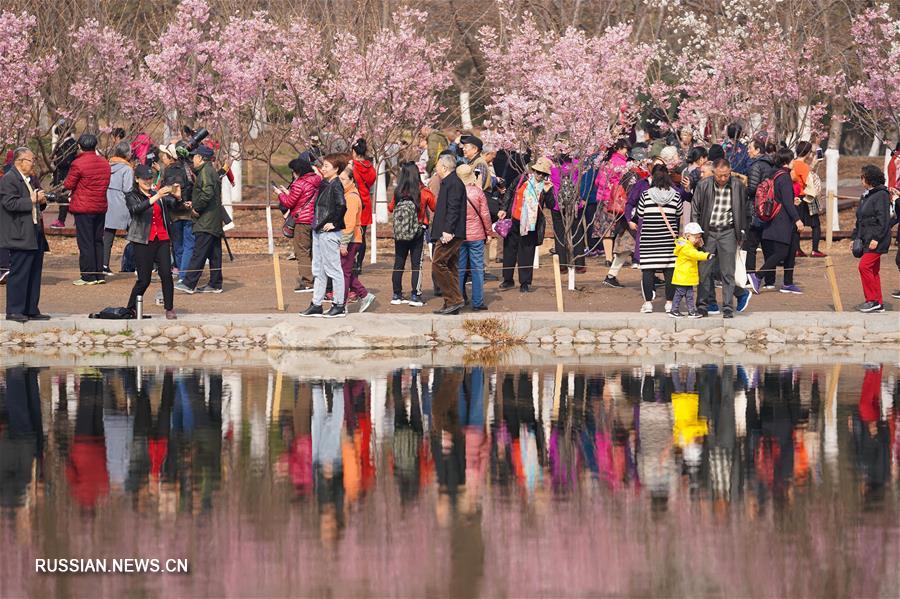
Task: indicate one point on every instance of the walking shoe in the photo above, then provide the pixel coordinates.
(183, 288)
(208, 289)
(352, 298)
(57, 224)
(97, 282)
(700, 313)
(480, 308)
(635, 266)
(366, 302)
(727, 312)
(398, 299)
(768, 287)
(416, 300)
(613, 282)
(818, 254)
(668, 307)
(303, 288)
(312, 310)
(337, 311)
(694, 314)
(506, 285)
(3, 276)
(870, 307)
(675, 314)
(81, 282)
(107, 271)
(896, 294)
(38, 316)
(20, 318)
(800, 254)
(525, 288)
(170, 315)
(713, 308)
(647, 308)
(754, 282)
(743, 301)
(791, 289)
(449, 310)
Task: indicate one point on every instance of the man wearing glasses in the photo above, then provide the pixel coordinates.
(22, 233)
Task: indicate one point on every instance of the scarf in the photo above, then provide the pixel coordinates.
(530, 207)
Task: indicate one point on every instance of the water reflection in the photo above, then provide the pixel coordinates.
(454, 481)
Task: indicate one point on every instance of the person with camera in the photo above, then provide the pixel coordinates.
(62, 157)
(174, 172)
(207, 214)
(872, 235)
(120, 183)
(149, 232)
(22, 233)
(88, 181)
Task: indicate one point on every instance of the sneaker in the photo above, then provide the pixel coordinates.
(800, 254)
(647, 308)
(727, 312)
(183, 288)
(668, 307)
(870, 307)
(613, 282)
(694, 314)
(769, 287)
(505, 285)
(97, 282)
(313, 310)
(208, 289)
(170, 315)
(525, 288)
(107, 271)
(754, 282)
(700, 313)
(896, 294)
(791, 289)
(366, 302)
(302, 288)
(57, 224)
(81, 282)
(398, 299)
(635, 266)
(712, 308)
(818, 254)
(675, 314)
(352, 298)
(337, 311)
(743, 301)
(417, 301)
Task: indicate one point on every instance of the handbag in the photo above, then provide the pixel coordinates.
(502, 227)
(740, 269)
(287, 229)
(857, 248)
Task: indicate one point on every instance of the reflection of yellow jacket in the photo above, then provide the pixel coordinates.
(688, 425)
(686, 257)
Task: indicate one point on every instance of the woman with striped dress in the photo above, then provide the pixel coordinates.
(659, 212)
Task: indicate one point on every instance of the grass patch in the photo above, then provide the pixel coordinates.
(494, 330)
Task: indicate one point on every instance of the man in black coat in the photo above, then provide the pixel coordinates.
(448, 232)
(22, 233)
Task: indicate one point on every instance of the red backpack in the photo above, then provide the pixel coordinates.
(765, 204)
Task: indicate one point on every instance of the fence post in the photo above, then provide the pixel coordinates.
(557, 279)
(279, 292)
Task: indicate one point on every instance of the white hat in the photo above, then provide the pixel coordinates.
(170, 150)
(693, 229)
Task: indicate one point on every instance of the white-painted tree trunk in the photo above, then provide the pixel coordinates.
(804, 127)
(465, 109)
(232, 193)
(832, 157)
(875, 148)
(379, 210)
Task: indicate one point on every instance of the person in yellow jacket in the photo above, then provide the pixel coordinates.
(687, 274)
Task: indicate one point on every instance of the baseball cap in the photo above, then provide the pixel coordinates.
(693, 229)
(142, 171)
(204, 151)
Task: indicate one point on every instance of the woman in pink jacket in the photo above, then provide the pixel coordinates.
(608, 211)
(478, 227)
(300, 201)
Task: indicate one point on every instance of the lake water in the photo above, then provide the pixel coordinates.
(706, 480)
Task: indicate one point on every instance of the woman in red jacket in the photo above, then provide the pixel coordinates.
(300, 201)
(364, 174)
(88, 181)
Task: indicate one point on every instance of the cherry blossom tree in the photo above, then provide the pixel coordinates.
(22, 71)
(876, 36)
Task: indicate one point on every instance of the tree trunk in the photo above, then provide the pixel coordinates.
(875, 148)
(465, 109)
(836, 130)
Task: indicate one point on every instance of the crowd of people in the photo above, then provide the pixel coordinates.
(690, 216)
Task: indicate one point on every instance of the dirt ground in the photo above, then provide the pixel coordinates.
(249, 285)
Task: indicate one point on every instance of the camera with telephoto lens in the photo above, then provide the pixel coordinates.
(57, 196)
(193, 143)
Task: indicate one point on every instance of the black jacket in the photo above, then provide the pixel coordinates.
(782, 227)
(705, 198)
(177, 173)
(17, 229)
(450, 212)
(62, 158)
(330, 205)
(873, 220)
(761, 169)
(142, 214)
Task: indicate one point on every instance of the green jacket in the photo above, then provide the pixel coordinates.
(207, 201)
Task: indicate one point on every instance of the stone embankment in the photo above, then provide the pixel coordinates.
(379, 331)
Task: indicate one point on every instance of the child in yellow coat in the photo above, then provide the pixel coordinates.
(687, 274)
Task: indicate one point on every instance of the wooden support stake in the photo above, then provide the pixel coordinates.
(832, 280)
(557, 279)
(279, 293)
(276, 402)
(830, 220)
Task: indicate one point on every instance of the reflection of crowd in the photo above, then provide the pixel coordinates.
(711, 433)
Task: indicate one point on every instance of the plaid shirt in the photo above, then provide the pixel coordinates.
(722, 208)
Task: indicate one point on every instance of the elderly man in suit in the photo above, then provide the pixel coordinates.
(22, 233)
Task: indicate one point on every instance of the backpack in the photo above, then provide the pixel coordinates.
(765, 204)
(406, 220)
(620, 193)
(568, 195)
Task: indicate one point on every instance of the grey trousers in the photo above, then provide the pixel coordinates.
(326, 264)
(724, 245)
